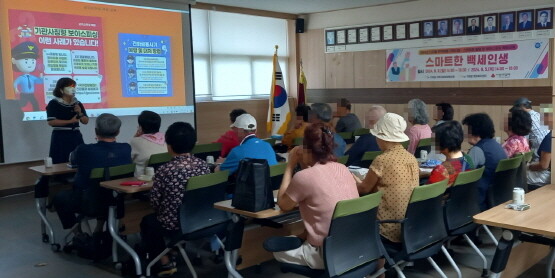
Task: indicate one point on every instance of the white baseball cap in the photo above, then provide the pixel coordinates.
(391, 127)
(245, 121)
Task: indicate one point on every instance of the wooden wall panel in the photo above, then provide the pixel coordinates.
(292, 63)
(463, 96)
(484, 83)
(369, 69)
(213, 117)
(340, 70)
(312, 53)
(442, 84)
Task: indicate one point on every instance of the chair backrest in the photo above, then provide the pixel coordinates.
(298, 141)
(405, 144)
(159, 159)
(98, 198)
(347, 136)
(271, 141)
(361, 131)
(463, 201)
(197, 209)
(424, 211)
(204, 150)
(368, 157)
(276, 174)
(353, 244)
(523, 170)
(504, 181)
(425, 144)
(343, 159)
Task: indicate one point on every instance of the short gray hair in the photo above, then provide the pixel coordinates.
(379, 109)
(418, 113)
(322, 111)
(107, 125)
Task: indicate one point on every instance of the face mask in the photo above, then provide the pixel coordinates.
(69, 91)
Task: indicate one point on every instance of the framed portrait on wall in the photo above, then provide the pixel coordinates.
(489, 23)
(525, 19)
(330, 37)
(363, 35)
(400, 32)
(428, 29)
(442, 26)
(376, 34)
(544, 18)
(507, 22)
(414, 30)
(341, 36)
(352, 36)
(457, 26)
(387, 33)
(473, 25)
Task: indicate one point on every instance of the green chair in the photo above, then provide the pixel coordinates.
(504, 181)
(523, 171)
(158, 159)
(461, 205)
(347, 136)
(425, 210)
(298, 141)
(405, 144)
(276, 174)
(198, 218)
(425, 144)
(352, 247)
(204, 150)
(343, 159)
(271, 141)
(368, 157)
(361, 131)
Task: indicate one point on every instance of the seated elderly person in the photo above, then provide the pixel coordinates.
(315, 189)
(250, 146)
(444, 112)
(366, 142)
(300, 124)
(517, 127)
(418, 117)
(449, 137)
(229, 139)
(105, 153)
(485, 151)
(321, 113)
(348, 122)
(539, 173)
(168, 186)
(395, 173)
(148, 140)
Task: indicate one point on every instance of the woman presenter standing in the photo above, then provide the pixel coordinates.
(64, 113)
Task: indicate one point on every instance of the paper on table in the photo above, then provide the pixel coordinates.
(359, 173)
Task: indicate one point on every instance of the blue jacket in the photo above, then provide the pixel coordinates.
(493, 152)
(251, 147)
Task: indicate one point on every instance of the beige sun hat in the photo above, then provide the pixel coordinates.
(391, 127)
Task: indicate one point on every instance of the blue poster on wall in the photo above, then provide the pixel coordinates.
(145, 64)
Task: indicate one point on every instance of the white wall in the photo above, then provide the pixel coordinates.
(417, 10)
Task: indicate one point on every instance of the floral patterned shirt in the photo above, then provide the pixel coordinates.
(169, 185)
(515, 144)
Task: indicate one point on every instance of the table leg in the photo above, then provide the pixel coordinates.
(234, 240)
(502, 253)
(230, 264)
(112, 227)
(40, 204)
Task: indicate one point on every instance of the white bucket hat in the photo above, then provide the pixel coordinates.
(391, 127)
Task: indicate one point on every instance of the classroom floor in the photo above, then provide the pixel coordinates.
(24, 255)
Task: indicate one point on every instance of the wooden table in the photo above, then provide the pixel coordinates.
(537, 220)
(117, 188)
(253, 253)
(40, 200)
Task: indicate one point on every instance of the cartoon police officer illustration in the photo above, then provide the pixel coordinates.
(24, 59)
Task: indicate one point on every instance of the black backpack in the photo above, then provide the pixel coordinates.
(96, 247)
(253, 187)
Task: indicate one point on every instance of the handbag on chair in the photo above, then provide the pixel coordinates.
(253, 189)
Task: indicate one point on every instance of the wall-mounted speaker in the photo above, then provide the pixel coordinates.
(299, 25)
